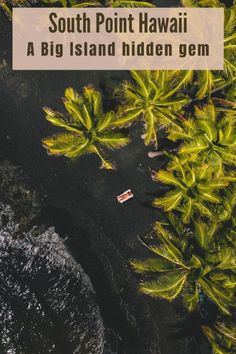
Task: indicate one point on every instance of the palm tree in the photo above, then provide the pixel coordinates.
(222, 337)
(88, 128)
(149, 98)
(208, 136)
(101, 3)
(188, 263)
(195, 190)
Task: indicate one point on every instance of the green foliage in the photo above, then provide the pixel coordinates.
(64, 3)
(129, 3)
(88, 128)
(226, 210)
(98, 3)
(208, 136)
(222, 336)
(202, 3)
(230, 44)
(74, 3)
(205, 83)
(208, 81)
(195, 189)
(187, 263)
(149, 98)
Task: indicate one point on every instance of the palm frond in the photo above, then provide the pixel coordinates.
(204, 233)
(202, 3)
(69, 145)
(150, 128)
(112, 140)
(166, 287)
(105, 163)
(172, 243)
(205, 83)
(221, 336)
(57, 119)
(152, 265)
(105, 121)
(127, 116)
(131, 3)
(191, 297)
(228, 331)
(170, 201)
(167, 177)
(218, 295)
(84, 4)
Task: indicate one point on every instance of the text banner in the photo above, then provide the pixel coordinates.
(118, 39)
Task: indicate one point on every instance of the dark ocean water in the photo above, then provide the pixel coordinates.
(41, 311)
(79, 199)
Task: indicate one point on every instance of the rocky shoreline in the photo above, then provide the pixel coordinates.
(48, 303)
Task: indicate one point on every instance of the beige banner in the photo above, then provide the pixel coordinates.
(118, 39)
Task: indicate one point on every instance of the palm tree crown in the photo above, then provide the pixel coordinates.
(149, 98)
(209, 136)
(88, 128)
(195, 189)
(188, 263)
